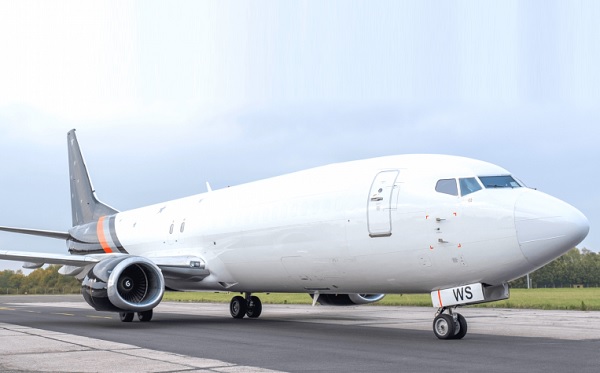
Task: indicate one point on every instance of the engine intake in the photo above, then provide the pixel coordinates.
(124, 283)
(348, 299)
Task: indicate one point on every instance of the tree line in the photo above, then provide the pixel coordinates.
(576, 267)
(41, 281)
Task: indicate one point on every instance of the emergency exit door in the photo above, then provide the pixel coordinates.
(379, 208)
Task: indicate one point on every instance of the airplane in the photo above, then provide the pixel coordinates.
(345, 234)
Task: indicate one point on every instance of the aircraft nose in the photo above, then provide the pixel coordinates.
(547, 227)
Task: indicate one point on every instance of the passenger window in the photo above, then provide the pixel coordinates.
(468, 186)
(447, 186)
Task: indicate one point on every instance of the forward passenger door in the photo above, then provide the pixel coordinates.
(379, 205)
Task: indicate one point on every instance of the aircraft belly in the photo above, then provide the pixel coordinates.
(315, 273)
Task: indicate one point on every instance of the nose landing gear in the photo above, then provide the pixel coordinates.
(249, 305)
(449, 325)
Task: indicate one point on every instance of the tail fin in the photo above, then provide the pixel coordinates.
(84, 205)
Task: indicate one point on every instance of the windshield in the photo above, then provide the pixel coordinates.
(447, 186)
(468, 185)
(503, 181)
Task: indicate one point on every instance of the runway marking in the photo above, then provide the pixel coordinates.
(64, 314)
(6, 309)
(98, 317)
(76, 305)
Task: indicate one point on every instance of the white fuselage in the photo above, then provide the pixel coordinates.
(372, 226)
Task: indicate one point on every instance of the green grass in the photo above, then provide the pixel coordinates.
(587, 299)
(548, 299)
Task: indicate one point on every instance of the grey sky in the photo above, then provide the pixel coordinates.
(166, 96)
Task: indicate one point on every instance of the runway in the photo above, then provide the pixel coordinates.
(62, 333)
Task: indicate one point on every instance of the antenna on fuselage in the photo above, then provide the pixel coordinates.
(208, 188)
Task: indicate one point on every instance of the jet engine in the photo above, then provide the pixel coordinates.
(348, 299)
(123, 283)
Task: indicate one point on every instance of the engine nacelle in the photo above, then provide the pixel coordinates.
(124, 283)
(348, 299)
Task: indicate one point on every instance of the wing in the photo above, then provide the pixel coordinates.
(177, 267)
(47, 258)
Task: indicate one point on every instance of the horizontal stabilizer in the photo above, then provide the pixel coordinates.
(38, 232)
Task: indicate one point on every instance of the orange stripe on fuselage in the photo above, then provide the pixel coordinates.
(101, 237)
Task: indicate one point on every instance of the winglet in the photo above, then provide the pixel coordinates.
(85, 206)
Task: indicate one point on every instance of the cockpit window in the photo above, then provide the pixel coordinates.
(447, 186)
(504, 181)
(468, 186)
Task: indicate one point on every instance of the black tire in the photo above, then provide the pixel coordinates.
(443, 326)
(238, 307)
(145, 316)
(461, 327)
(254, 308)
(126, 316)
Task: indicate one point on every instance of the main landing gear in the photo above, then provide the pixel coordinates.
(143, 316)
(449, 325)
(250, 306)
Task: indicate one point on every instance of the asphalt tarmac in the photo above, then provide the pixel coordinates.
(63, 334)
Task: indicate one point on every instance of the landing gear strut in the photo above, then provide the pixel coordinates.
(143, 316)
(449, 325)
(250, 306)
(126, 316)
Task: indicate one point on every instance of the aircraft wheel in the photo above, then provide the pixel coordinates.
(145, 315)
(254, 307)
(443, 326)
(461, 327)
(126, 316)
(238, 307)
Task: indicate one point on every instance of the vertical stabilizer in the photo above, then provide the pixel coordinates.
(84, 205)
